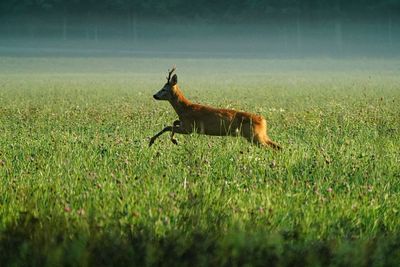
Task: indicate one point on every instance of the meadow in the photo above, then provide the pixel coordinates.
(80, 186)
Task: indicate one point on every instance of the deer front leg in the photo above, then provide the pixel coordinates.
(166, 129)
(176, 124)
(174, 129)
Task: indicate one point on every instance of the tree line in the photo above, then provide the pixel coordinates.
(233, 10)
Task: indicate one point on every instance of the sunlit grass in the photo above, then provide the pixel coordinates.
(75, 162)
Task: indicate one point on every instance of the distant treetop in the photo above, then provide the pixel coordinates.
(233, 10)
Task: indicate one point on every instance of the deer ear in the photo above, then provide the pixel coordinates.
(174, 80)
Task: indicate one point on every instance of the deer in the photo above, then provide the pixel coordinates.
(208, 120)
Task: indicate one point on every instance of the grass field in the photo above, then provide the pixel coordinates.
(79, 185)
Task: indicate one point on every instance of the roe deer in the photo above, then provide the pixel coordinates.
(208, 120)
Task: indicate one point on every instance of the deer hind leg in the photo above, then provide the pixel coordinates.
(257, 134)
(262, 139)
(247, 131)
(265, 141)
(272, 144)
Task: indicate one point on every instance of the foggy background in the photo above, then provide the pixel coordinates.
(179, 28)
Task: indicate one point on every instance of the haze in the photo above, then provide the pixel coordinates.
(234, 29)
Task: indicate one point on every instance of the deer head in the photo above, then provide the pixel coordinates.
(166, 92)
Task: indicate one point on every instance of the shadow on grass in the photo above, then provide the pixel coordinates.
(29, 243)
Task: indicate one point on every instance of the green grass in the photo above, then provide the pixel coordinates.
(79, 185)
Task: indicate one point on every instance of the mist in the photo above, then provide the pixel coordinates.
(246, 29)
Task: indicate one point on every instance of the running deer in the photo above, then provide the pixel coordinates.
(208, 120)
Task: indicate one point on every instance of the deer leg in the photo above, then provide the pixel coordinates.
(166, 129)
(258, 136)
(180, 130)
(176, 124)
(173, 129)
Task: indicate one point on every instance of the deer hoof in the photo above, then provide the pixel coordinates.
(151, 142)
(174, 141)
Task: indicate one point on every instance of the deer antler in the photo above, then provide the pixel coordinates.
(170, 73)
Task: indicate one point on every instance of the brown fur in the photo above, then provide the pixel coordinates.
(213, 121)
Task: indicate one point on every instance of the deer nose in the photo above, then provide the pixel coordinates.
(156, 97)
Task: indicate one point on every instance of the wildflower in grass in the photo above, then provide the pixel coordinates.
(67, 208)
(272, 164)
(81, 212)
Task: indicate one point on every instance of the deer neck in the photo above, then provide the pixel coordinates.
(179, 102)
